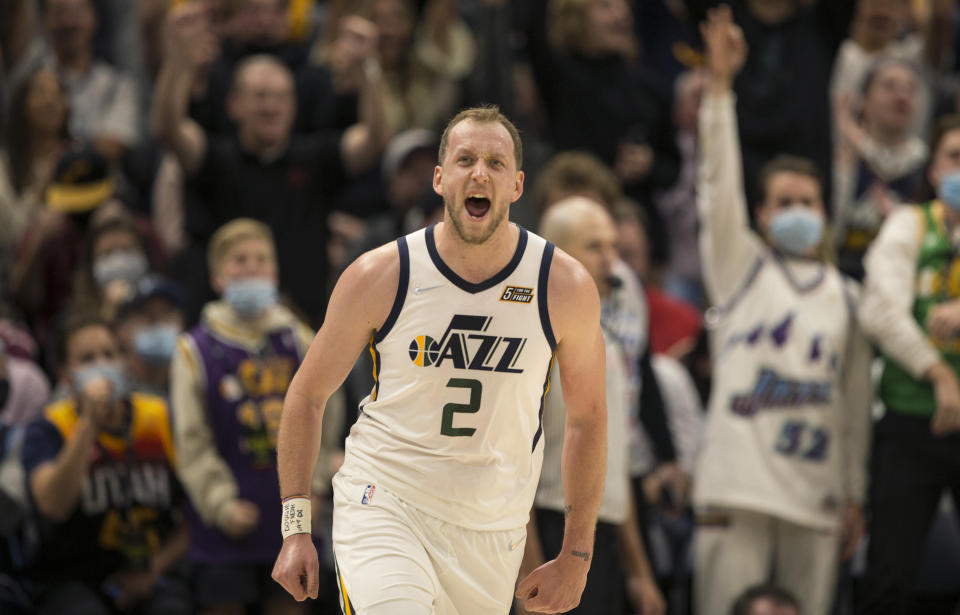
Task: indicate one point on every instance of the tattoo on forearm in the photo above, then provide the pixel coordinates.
(581, 554)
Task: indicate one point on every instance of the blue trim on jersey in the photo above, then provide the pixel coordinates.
(401, 295)
(543, 400)
(542, 295)
(797, 286)
(732, 302)
(470, 287)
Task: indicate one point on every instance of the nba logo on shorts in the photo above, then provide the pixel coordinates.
(368, 494)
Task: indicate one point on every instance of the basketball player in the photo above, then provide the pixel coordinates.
(781, 476)
(464, 320)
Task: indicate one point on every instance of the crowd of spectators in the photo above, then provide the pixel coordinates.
(183, 181)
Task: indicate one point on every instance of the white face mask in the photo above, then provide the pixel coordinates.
(126, 265)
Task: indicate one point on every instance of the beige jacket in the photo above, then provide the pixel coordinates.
(206, 477)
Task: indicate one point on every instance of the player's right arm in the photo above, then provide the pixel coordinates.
(360, 303)
(728, 247)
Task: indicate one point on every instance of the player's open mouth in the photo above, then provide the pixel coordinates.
(477, 206)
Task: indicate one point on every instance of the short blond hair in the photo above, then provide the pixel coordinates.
(232, 233)
(485, 114)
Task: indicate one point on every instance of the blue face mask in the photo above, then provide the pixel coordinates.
(156, 344)
(950, 190)
(109, 370)
(796, 230)
(250, 296)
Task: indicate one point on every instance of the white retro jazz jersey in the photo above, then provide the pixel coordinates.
(776, 438)
(453, 423)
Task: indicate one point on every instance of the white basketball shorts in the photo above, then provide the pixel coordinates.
(392, 558)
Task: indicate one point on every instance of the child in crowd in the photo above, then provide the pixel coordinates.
(229, 376)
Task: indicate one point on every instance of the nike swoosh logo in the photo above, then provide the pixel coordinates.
(417, 290)
(514, 546)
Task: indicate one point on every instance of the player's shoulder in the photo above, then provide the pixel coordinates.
(571, 291)
(368, 287)
(569, 279)
(375, 267)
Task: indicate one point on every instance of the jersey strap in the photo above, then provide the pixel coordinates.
(401, 291)
(542, 302)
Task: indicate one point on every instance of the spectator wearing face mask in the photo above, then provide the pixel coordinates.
(115, 259)
(99, 467)
(113, 254)
(148, 325)
(229, 376)
(791, 378)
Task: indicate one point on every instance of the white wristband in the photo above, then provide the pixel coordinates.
(296, 516)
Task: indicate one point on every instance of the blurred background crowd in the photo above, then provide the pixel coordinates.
(182, 181)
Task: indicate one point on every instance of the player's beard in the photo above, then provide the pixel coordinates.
(493, 222)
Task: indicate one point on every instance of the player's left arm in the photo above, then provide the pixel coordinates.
(574, 308)
(575, 315)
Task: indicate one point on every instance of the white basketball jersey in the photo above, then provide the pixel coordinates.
(774, 440)
(453, 423)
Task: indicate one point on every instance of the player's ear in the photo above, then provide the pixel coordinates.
(438, 180)
(518, 187)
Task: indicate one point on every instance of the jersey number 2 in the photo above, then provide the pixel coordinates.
(476, 387)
